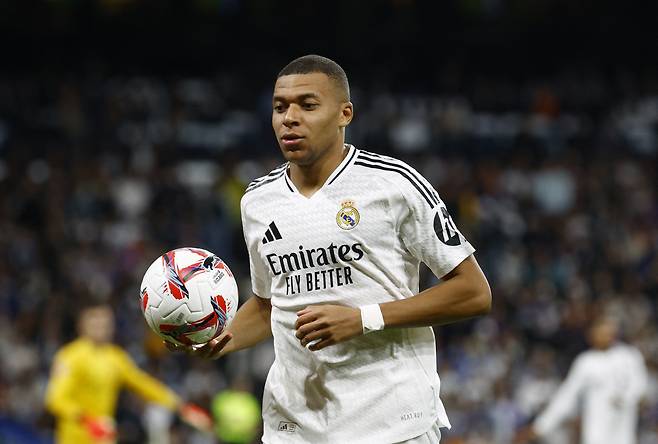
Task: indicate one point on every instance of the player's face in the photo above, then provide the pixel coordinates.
(97, 324)
(603, 334)
(309, 114)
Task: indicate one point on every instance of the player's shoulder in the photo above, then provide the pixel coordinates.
(398, 173)
(592, 358)
(66, 350)
(263, 184)
(370, 159)
(117, 352)
(587, 356)
(628, 350)
(78, 348)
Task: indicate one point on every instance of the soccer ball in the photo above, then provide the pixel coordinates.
(188, 296)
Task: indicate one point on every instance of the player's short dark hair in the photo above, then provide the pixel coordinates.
(91, 303)
(603, 319)
(313, 63)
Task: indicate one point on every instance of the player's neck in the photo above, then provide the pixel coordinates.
(309, 178)
(96, 342)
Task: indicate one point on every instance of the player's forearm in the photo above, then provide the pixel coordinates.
(462, 296)
(63, 410)
(564, 402)
(250, 326)
(151, 389)
(60, 405)
(551, 418)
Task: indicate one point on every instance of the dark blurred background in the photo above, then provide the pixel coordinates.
(129, 128)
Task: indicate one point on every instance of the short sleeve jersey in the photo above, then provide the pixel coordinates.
(608, 385)
(358, 240)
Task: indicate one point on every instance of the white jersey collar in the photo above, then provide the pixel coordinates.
(342, 166)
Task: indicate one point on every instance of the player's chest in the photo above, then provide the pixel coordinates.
(609, 374)
(330, 223)
(98, 370)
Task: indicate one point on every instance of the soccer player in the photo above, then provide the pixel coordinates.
(335, 237)
(608, 382)
(86, 377)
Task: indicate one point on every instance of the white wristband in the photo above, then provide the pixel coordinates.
(371, 318)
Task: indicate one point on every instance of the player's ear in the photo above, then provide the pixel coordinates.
(346, 114)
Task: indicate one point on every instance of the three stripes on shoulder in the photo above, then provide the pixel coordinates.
(271, 177)
(379, 162)
(369, 160)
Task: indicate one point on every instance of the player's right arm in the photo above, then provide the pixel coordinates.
(565, 401)
(250, 326)
(59, 399)
(561, 406)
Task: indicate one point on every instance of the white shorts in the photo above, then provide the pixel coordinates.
(432, 436)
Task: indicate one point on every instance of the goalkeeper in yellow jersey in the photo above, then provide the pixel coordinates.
(87, 376)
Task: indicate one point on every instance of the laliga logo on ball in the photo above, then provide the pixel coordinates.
(348, 216)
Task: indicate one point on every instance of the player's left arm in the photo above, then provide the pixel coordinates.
(145, 385)
(150, 388)
(428, 233)
(639, 378)
(464, 293)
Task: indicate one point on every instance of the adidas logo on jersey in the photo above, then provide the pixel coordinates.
(272, 234)
(286, 426)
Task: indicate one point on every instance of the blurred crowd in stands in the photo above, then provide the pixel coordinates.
(554, 182)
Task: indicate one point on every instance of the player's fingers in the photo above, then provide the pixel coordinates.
(304, 311)
(212, 348)
(322, 344)
(312, 336)
(175, 347)
(221, 343)
(304, 319)
(307, 328)
(170, 346)
(205, 348)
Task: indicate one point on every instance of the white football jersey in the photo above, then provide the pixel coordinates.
(358, 240)
(608, 385)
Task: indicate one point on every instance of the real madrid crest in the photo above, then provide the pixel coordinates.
(348, 216)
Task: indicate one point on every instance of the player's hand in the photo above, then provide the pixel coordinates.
(100, 428)
(525, 435)
(327, 325)
(211, 350)
(195, 417)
